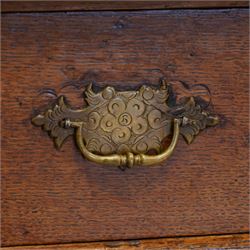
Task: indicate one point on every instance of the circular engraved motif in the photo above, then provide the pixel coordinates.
(93, 145)
(93, 120)
(108, 123)
(121, 135)
(106, 149)
(142, 147)
(135, 107)
(116, 106)
(122, 149)
(148, 94)
(108, 93)
(125, 119)
(139, 126)
(155, 118)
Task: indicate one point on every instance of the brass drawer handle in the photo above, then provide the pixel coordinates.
(129, 159)
(126, 128)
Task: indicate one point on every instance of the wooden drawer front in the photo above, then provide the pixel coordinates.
(52, 196)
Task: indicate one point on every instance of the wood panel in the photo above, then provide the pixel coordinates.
(236, 241)
(51, 196)
(24, 6)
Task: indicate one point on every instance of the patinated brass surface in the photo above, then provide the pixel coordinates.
(126, 128)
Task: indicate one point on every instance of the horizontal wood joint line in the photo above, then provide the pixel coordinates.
(181, 242)
(45, 6)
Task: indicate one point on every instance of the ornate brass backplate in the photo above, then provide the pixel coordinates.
(126, 128)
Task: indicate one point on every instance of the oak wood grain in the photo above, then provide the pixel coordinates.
(35, 6)
(233, 241)
(51, 196)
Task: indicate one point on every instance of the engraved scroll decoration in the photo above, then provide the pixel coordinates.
(128, 124)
